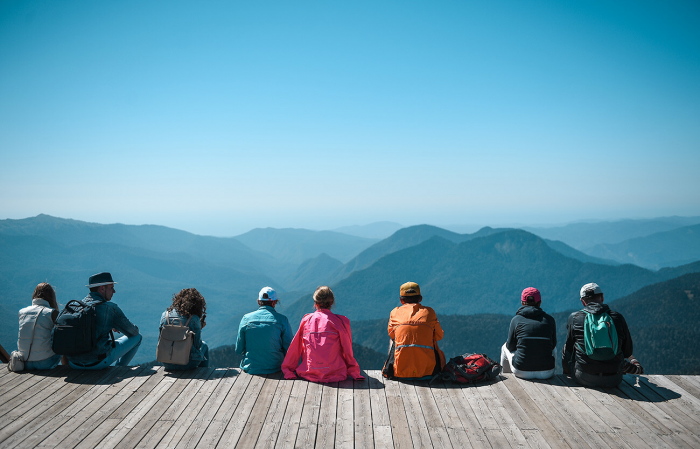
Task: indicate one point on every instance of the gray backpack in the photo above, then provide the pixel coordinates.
(175, 342)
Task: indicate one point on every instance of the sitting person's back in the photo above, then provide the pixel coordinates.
(263, 336)
(35, 325)
(189, 308)
(584, 363)
(110, 317)
(415, 331)
(532, 338)
(323, 343)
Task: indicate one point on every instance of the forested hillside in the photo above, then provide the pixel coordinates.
(663, 320)
(481, 275)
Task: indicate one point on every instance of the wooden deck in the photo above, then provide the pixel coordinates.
(145, 407)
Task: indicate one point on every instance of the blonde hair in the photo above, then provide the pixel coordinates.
(323, 297)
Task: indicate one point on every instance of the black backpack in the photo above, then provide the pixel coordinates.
(75, 330)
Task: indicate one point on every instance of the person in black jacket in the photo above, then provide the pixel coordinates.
(532, 338)
(588, 371)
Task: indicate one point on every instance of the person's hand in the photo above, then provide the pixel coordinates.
(633, 366)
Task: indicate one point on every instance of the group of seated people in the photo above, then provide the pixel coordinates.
(321, 350)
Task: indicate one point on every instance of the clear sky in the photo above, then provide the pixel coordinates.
(216, 117)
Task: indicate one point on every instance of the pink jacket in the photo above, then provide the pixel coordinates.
(324, 344)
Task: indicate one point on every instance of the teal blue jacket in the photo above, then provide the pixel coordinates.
(263, 339)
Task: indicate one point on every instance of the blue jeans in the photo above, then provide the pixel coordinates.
(193, 363)
(49, 363)
(124, 350)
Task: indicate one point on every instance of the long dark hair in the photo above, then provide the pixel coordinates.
(46, 292)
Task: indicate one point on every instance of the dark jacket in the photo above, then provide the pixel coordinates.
(532, 338)
(109, 316)
(573, 348)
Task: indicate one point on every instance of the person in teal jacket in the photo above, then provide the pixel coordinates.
(263, 336)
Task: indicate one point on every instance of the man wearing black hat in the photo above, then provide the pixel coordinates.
(598, 347)
(109, 318)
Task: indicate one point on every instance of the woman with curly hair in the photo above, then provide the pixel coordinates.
(323, 343)
(189, 307)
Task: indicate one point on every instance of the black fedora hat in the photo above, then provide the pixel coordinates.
(98, 279)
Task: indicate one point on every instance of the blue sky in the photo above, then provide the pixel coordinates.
(216, 117)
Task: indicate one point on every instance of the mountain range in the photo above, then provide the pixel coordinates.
(662, 249)
(584, 235)
(480, 275)
(482, 272)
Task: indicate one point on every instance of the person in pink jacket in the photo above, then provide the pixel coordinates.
(323, 343)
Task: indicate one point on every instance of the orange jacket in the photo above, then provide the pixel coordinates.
(416, 331)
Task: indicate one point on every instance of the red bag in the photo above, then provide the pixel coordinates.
(469, 368)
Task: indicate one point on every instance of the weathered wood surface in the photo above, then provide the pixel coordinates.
(146, 407)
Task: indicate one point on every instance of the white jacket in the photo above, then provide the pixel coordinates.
(41, 348)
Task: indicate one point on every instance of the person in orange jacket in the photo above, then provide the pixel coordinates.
(414, 330)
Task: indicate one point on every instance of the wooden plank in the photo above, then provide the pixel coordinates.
(26, 387)
(344, 427)
(534, 437)
(488, 423)
(275, 415)
(145, 431)
(325, 435)
(476, 435)
(684, 423)
(381, 423)
(505, 422)
(593, 422)
(292, 415)
(127, 399)
(212, 402)
(580, 416)
(237, 422)
(121, 434)
(223, 416)
(22, 431)
(257, 417)
(571, 434)
(308, 424)
(635, 435)
(162, 417)
(364, 433)
(182, 433)
(11, 381)
(685, 384)
(692, 379)
(669, 391)
(524, 411)
(450, 418)
(89, 409)
(416, 421)
(431, 414)
(401, 434)
(667, 429)
(38, 390)
(62, 419)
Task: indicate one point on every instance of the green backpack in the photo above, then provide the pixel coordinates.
(599, 336)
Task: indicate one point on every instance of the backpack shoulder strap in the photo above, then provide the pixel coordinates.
(31, 343)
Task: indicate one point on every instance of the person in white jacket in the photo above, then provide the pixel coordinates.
(35, 325)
